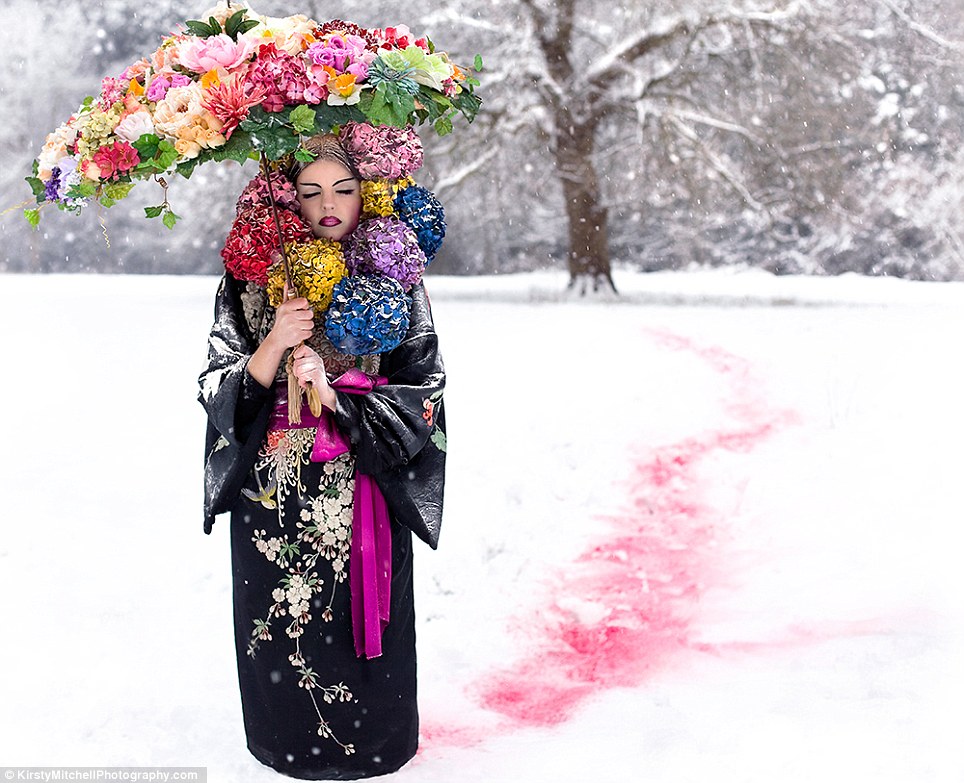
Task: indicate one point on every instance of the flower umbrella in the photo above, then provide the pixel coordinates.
(238, 85)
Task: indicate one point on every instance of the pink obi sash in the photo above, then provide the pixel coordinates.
(370, 561)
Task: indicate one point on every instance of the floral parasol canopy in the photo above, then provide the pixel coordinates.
(237, 85)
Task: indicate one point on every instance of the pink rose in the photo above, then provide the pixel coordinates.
(219, 51)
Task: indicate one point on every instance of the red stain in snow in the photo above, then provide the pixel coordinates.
(625, 605)
(435, 734)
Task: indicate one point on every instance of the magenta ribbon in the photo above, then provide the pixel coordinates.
(370, 561)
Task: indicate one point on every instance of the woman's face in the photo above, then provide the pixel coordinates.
(330, 199)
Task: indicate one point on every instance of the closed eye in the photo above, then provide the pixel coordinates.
(348, 192)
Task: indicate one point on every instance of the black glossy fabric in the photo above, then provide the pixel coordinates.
(394, 431)
(387, 426)
(379, 721)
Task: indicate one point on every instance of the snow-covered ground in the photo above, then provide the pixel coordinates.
(709, 532)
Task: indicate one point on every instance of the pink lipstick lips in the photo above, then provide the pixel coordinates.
(330, 221)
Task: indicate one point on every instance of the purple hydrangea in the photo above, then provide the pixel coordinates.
(385, 246)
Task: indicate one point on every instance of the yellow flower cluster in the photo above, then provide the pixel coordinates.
(378, 195)
(377, 198)
(316, 267)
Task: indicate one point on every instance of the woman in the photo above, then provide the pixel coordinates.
(326, 694)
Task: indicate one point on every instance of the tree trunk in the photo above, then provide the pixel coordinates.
(589, 266)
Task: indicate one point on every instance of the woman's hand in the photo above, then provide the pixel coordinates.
(293, 323)
(309, 367)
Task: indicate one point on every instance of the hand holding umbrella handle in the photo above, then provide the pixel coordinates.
(294, 388)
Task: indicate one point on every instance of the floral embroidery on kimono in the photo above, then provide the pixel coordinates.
(323, 531)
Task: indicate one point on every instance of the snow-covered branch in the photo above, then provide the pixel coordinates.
(457, 177)
(633, 47)
(640, 43)
(923, 30)
(715, 122)
(715, 162)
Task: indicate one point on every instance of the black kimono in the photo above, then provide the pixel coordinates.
(313, 708)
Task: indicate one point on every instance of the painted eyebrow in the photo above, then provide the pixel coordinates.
(315, 184)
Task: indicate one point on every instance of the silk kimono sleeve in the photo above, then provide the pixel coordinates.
(237, 405)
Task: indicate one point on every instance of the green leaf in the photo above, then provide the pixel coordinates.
(153, 212)
(467, 103)
(147, 145)
(213, 23)
(38, 188)
(435, 103)
(170, 218)
(166, 155)
(200, 29)
(443, 126)
(237, 25)
(32, 216)
(304, 156)
(327, 118)
(399, 103)
(237, 148)
(186, 168)
(88, 102)
(232, 22)
(118, 190)
(378, 108)
(303, 119)
(85, 189)
(478, 62)
(246, 25)
(259, 119)
(275, 142)
(106, 201)
(439, 439)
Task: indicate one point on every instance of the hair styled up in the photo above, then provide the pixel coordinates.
(324, 146)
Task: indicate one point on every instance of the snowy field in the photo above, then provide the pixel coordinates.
(710, 532)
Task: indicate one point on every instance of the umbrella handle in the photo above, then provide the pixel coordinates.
(314, 400)
(294, 389)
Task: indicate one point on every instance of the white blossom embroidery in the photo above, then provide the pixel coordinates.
(324, 531)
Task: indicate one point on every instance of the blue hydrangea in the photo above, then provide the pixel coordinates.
(422, 212)
(368, 314)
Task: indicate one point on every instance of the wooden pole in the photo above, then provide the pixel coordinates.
(294, 389)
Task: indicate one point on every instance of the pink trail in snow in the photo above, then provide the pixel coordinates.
(624, 606)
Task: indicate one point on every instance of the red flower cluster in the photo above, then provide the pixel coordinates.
(400, 38)
(252, 245)
(348, 28)
(280, 76)
(115, 160)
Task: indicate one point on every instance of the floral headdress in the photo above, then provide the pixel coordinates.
(359, 286)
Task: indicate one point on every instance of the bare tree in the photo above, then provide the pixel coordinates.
(588, 68)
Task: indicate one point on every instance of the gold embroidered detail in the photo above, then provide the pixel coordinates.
(283, 455)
